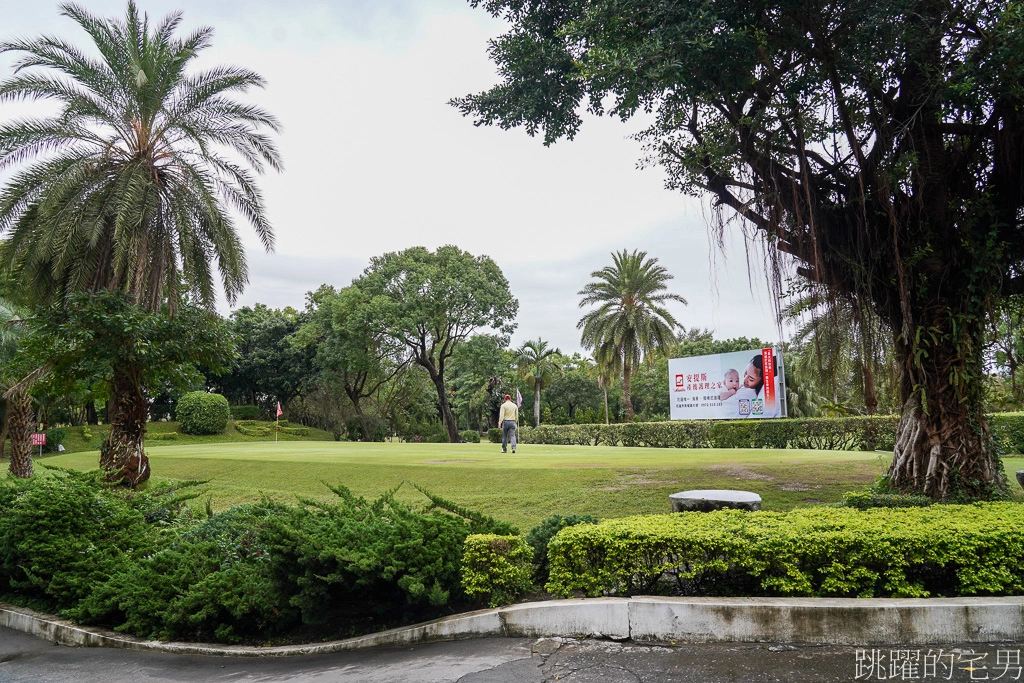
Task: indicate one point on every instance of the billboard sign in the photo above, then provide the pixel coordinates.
(728, 386)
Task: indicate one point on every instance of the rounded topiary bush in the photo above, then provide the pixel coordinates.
(203, 413)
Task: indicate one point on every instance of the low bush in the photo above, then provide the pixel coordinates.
(846, 433)
(245, 412)
(140, 562)
(202, 413)
(253, 428)
(162, 436)
(54, 438)
(295, 431)
(496, 568)
(540, 535)
(62, 535)
(494, 435)
(1008, 431)
(877, 432)
(862, 500)
(470, 436)
(938, 550)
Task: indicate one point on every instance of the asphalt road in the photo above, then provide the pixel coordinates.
(517, 660)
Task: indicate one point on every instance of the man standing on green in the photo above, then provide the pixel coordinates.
(507, 418)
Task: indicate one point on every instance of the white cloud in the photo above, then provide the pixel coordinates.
(376, 160)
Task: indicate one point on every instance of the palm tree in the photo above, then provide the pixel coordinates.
(127, 188)
(836, 343)
(18, 414)
(630, 320)
(538, 365)
(604, 370)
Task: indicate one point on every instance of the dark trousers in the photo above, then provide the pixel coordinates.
(508, 433)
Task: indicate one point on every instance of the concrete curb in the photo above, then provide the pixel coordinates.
(833, 621)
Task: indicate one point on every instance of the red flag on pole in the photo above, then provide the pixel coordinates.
(279, 411)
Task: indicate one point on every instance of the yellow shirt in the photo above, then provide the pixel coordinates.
(509, 411)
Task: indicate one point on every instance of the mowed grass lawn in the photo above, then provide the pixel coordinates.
(537, 482)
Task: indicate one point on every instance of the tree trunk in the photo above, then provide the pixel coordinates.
(442, 400)
(20, 420)
(536, 404)
(604, 387)
(943, 446)
(122, 456)
(90, 413)
(627, 372)
(870, 397)
(364, 422)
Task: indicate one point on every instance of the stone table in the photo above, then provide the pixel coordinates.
(706, 500)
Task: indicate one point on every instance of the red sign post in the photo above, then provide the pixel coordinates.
(39, 440)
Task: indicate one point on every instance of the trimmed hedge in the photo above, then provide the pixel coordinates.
(245, 412)
(470, 436)
(162, 436)
(494, 435)
(1008, 431)
(497, 568)
(253, 428)
(824, 433)
(199, 412)
(877, 432)
(540, 535)
(939, 550)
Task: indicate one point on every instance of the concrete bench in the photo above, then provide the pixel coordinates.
(706, 500)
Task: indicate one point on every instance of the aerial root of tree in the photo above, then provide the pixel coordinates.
(930, 448)
(20, 419)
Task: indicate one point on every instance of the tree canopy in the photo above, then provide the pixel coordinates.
(630, 320)
(875, 144)
(431, 301)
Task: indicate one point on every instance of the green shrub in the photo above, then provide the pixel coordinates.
(494, 435)
(845, 433)
(939, 550)
(86, 433)
(63, 534)
(162, 436)
(295, 431)
(139, 562)
(541, 535)
(200, 412)
(470, 436)
(1008, 431)
(54, 438)
(253, 428)
(245, 412)
(862, 500)
(496, 568)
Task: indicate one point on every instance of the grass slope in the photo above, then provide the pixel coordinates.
(75, 440)
(523, 489)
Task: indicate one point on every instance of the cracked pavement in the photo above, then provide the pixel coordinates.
(500, 660)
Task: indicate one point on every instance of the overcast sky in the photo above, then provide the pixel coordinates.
(376, 160)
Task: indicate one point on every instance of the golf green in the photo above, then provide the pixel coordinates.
(523, 488)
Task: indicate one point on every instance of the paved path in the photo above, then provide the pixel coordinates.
(510, 660)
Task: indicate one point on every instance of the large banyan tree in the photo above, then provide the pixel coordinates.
(877, 145)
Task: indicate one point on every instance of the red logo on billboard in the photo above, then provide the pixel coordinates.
(680, 382)
(768, 370)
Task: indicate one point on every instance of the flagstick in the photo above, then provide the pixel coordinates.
(277, 426)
